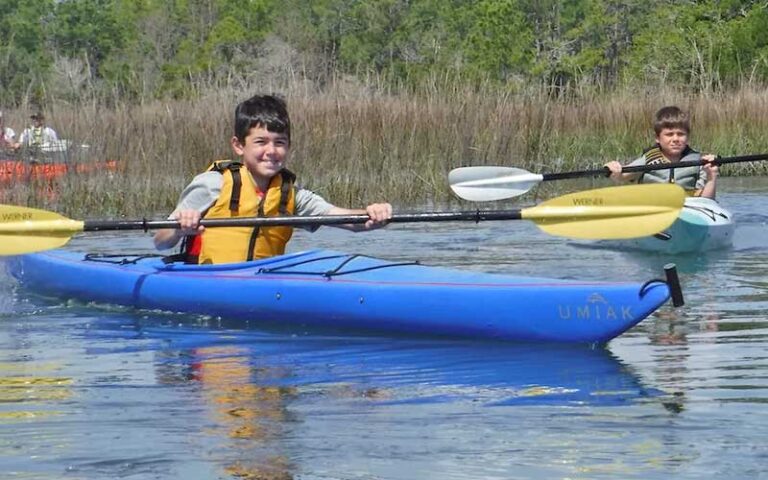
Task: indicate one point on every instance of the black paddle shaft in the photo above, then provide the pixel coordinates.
(647, 168)
(144, 224)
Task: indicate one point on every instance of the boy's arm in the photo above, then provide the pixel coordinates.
(196, 198)
(709, 174)
(616, 171)
(188, 221)
(309, 203)
(379, 214)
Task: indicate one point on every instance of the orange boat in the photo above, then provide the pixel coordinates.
(15, 170)
(49, 162)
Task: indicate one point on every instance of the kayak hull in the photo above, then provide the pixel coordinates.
(331, 290)
(703, 225)
(13, 171)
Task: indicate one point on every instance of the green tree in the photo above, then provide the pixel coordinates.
(87, 29)
(213, 40)
(707, 45)
(749, 36)
(499, 42)
(24, 59)
(600, 34)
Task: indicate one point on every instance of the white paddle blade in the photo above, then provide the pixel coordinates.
(486, 184)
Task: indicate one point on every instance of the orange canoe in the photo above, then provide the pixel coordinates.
(12, 171)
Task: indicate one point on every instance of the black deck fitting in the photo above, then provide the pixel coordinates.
(670, 271)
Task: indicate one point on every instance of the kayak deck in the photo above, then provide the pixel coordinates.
(703, 225)
(328, 289)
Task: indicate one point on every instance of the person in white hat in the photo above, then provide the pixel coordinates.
(38, 135)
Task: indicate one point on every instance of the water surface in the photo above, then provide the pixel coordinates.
(94, 392)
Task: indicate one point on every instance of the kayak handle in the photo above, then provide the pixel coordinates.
(672, 282)
(670, 271)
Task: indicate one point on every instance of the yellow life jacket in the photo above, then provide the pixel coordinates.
(239, 198)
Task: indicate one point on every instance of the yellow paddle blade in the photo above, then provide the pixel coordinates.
(610, 213)
(26, 230)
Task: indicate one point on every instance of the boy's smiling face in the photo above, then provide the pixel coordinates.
(672, 142)
(263, 152)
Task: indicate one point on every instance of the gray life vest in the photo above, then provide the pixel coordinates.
(686, 177)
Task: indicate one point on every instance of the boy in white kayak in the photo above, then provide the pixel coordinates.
(672, 127)
(257, 184)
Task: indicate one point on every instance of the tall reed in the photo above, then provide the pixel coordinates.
(362, 144)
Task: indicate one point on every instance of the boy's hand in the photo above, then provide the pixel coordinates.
(189, 222)
(712, 169)
(615, 168)
(380, 213)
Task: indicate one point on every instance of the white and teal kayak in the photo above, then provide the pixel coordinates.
(703, 225)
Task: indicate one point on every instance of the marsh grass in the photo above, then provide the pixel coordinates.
(358, 145)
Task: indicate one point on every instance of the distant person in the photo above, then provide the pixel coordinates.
(38, 135)
(672, 127)
(7, 136)
(256, 184)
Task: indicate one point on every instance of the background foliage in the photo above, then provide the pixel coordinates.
(114, 50)
(386, 96)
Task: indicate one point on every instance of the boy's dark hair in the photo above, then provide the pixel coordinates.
(268, 111)
(671, 117)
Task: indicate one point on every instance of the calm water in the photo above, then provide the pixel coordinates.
(91, 392)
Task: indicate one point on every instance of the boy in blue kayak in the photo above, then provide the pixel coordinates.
(672, 127)
(257, 184)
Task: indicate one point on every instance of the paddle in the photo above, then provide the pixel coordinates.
(483, 184)
(613, 212)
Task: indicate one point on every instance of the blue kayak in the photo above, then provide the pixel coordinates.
(322, 289)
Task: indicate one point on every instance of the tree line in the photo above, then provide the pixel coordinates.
(135, 50)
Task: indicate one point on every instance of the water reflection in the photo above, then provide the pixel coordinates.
(247, 393)
(264, 366)
(29, 390)
(242, 405)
